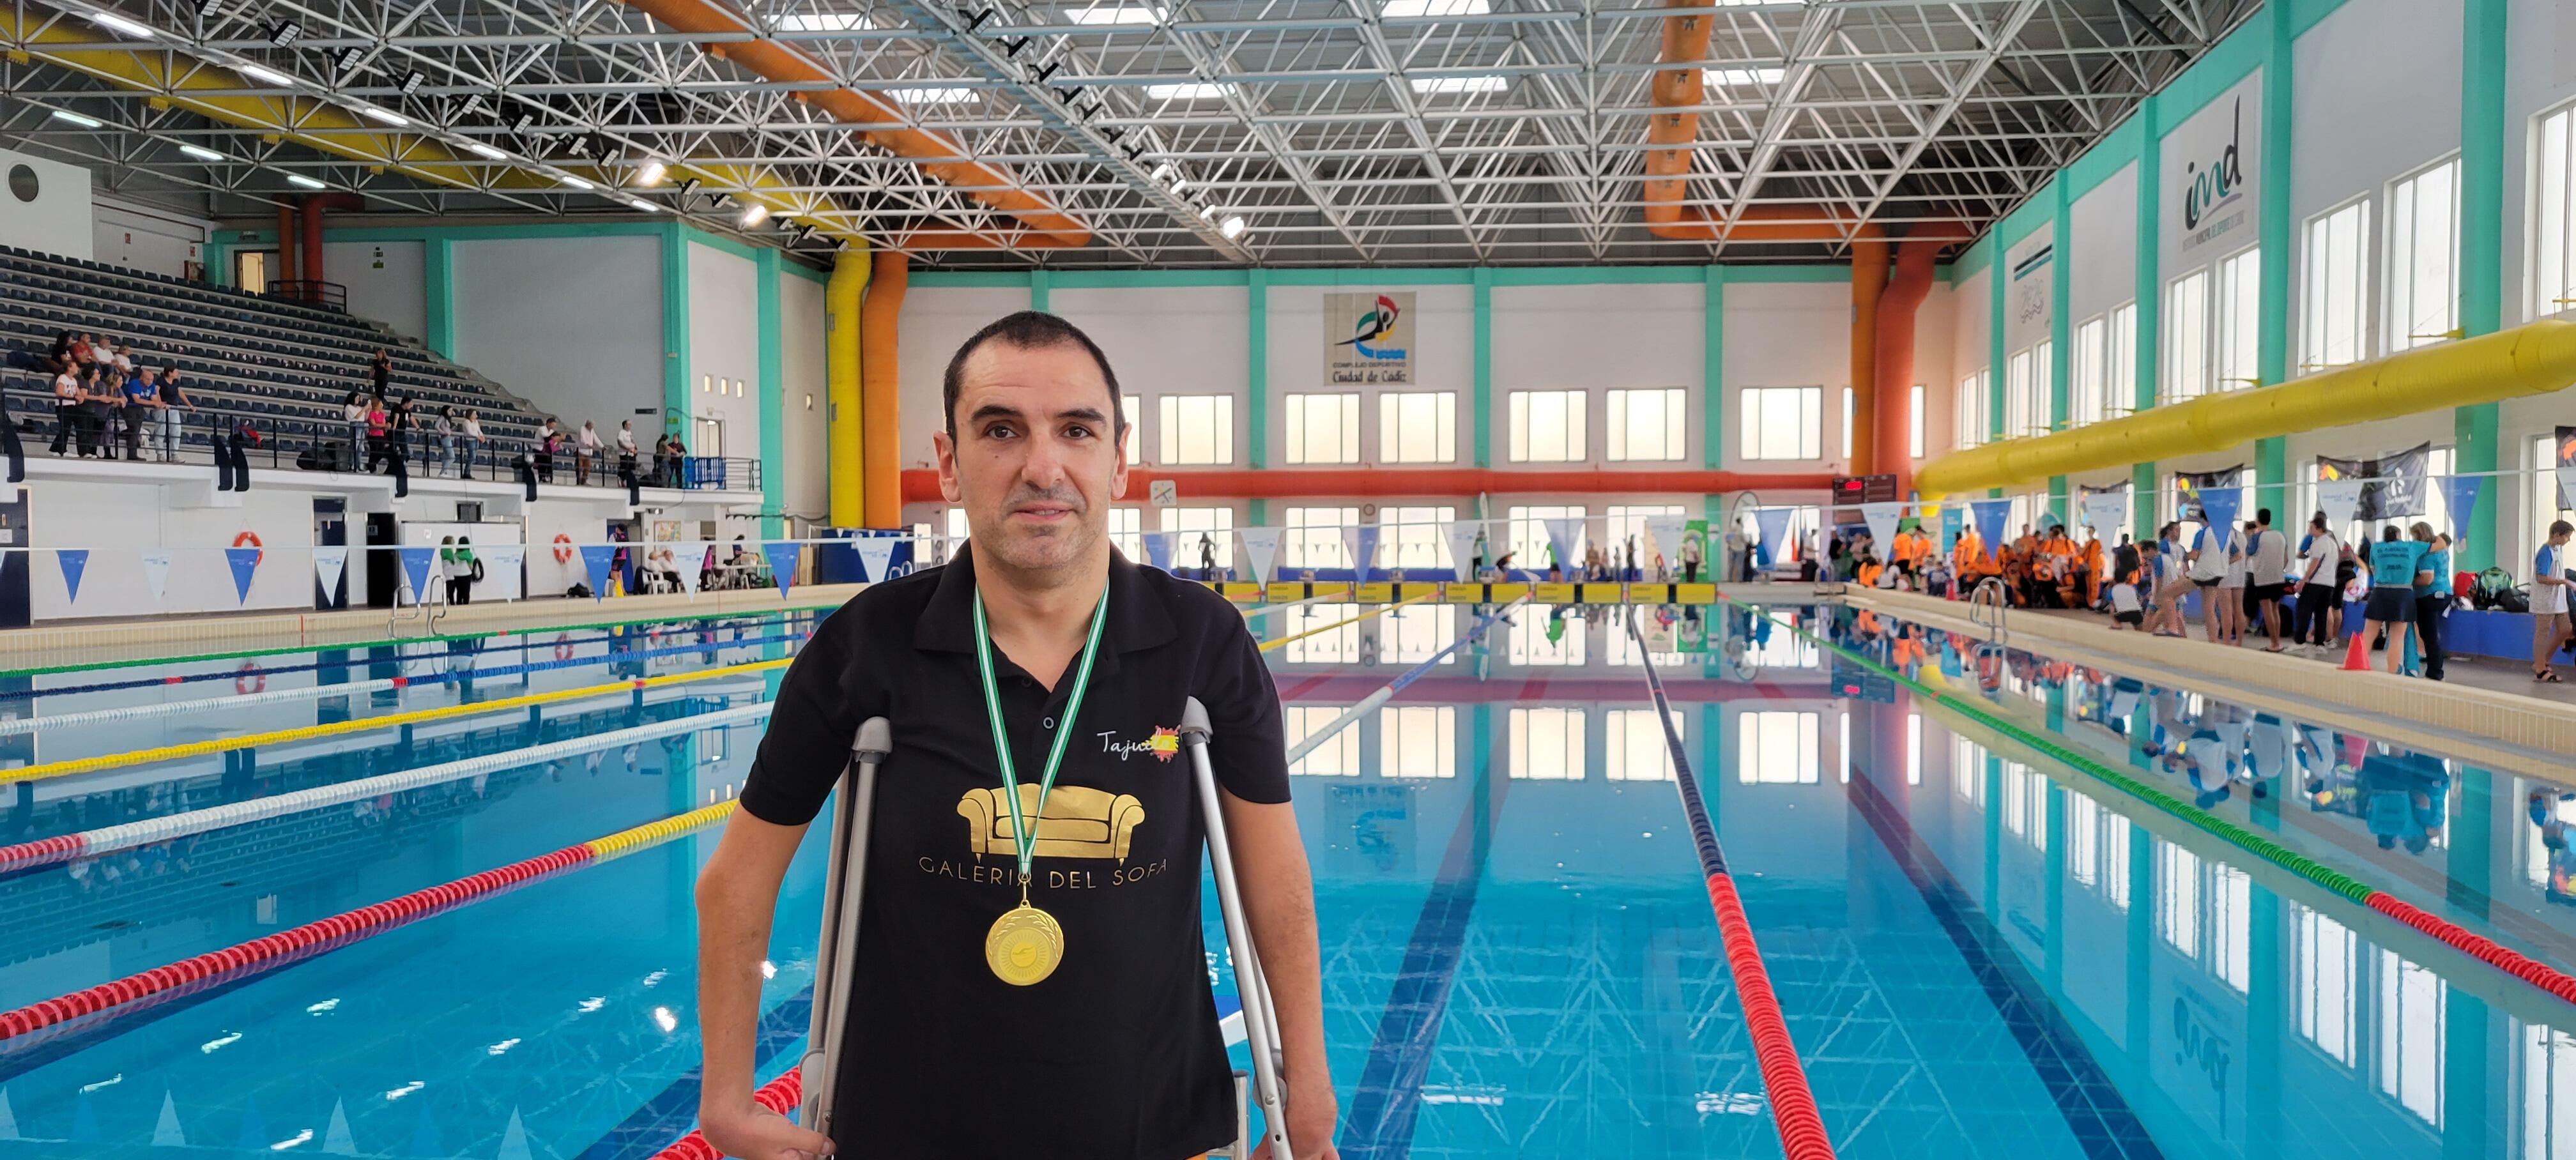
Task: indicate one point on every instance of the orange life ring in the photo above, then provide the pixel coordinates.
(249, 679)
(563, 650)
(251, 540)
(563, 548)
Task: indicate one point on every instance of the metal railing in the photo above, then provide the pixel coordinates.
(326, 294)
(1987, 605)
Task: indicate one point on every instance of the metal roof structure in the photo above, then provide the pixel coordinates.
(1338, 132)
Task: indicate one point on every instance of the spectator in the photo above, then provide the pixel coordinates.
(2321, 582)
(2432, 597)
(661, 461)
(381, 372)
(401, 420)
(124, 360)
(58, 358)
(460, 567)
(98, 410)
(2394, 561)
(549, 441)
(626, 451)
(679, 463)
(443, 429)
(379, 433)
(67, 402)
(2549, 590)
(469, 440)
(585, 447)
(174, 399)
(354, 411)
(142, 397)
(81, 350)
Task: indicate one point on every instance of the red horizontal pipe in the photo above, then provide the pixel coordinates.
(921, 485)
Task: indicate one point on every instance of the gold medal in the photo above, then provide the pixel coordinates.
(1024, 946)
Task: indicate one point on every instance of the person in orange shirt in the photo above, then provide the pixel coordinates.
(2058, 551)
(2093, 565)
(1969, 561)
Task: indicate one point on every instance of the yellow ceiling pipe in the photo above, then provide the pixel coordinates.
(2533, 359)
(209, 90)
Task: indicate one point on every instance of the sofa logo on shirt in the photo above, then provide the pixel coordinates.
(1164, 744)
(1076, 822)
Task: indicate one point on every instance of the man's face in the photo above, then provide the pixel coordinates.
(1035, 459)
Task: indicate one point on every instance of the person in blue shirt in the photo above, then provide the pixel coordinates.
(2432, 596)
(142, 396)
(2549, 590)
(2394, 565)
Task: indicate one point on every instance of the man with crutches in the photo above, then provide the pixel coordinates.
(1018, 969)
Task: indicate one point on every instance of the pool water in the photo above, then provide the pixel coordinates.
(1979, 952)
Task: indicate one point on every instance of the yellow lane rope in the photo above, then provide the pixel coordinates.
(629, 841)
(1380, 610)
(49, 769)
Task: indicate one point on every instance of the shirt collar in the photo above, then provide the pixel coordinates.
(1137, 618)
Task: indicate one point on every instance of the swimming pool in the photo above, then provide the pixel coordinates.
(1978, 950)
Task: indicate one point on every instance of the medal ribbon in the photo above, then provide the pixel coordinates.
(1023, 834)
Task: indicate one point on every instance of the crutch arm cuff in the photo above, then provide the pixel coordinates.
(874, 742)
(1194, 721)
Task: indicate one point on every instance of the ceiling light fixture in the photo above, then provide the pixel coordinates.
(1190, 91)
(201, 153)
(1476, 84)
(284, 32)
(1399, 9)
(688, 186)
(824, 22)
(646, 206)
(123, 26)
(306, 182)
(933, 96)
(651, 174)
(77, 119)
(1232, 227)
(351, 57)
(1118, 14)
(268, 76)
(412, 81)
(384, 116)
(1207, 212)
(575, 182)
(1742, 77)
(486, 152)
(755, 216)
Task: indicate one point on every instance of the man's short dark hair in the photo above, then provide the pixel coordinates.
(2263, 516)
(1030, 330)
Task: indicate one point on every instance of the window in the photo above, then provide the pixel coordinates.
(2021, 385)
(1134, 407)
(1967, 770)
(1126, 531)
(1216, 523)
(2424, 257)
(2334, 326)
(1338, 756)
(2120, 362)
(1335, 636)
(1409, 636)
(2186, 327)
(1415, 539)
(2026, 805)
(1546, 744)
(1782, 422)
(2329, 958)
(1914, 438)
(1529, 545)
(1914, 749)
(1417, 427)
(2178, 899)
(2553, 227)
(2548, 1098)
(2409, 1015)
(1648, 425)
(1973, 407)
(1629, 520)
(1417, 741)
(2231, 925)
(1197, 430)
(1634, 748)
(2087, 364)
(1314, 537)
(1851, 409)
(1776, 747)
(1547, 426)
(957, 530)
(2238, 320)
(1539, 637)
(1324, 428)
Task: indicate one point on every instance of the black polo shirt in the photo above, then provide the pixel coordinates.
(1116, 1054)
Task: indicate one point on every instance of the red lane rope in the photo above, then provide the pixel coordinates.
(779, 1095)
(2477, 946)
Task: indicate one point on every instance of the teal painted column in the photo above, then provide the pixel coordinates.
(2474, 436)
(2061, 302)
(1712, 366)
(773, 402)
(1040, 282)
(219, 266)
(2150, 305)
(675, 329)
(438, 296)
(2272, 307)
(1998, 360)
(1256, 370)
(1484, 381)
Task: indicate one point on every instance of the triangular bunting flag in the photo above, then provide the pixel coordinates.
(1990, 515)
(1564, 536)
(1260, 550)
(415, 564)
(166, 1134)
(74, 561)
(1158, 549)
(2221, 504)
(782, 562)
(156, 571)
(509, 560)
(1882, 518)
(1663, 537)
(335, 1139)
(1953, 520)
(2460, 495)
(8, 1118)
(245, 562)
(1772, 524)
(692, 555)
(1462, 546)
(328, 562)
(2340, 499)
(596, 560)
(876, 558)
(2103, 511)
(514, 1140)
(1361, 539)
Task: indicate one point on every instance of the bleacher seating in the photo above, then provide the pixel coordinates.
(283, 366)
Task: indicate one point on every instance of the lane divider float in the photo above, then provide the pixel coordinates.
(1784, 1079)
(52, 769)
(127, 835)
(1380, 610)
(779, 1095)
(1387, 691)
(342, 929)
(2555, 982)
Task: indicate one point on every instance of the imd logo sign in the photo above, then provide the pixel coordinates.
(2216, 179)
(2213, 184)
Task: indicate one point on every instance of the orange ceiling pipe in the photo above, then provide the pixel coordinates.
(1673, 135)
(1051, 227)
(921, 485)
(1869, 282)
(1895, 371)
(879, 390)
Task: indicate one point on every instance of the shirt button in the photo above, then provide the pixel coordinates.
(1047, 723)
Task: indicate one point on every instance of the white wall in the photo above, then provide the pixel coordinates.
(1166, 340)
(724, 352)
(2540, 77)
(1554, 338)
(118, 520)
(574, 325)
(2100, 258)
(387, 282)
(934, 323)
(47, 207)
(803, 329)
(1787, 334)
(137, 237)
(2191, 149)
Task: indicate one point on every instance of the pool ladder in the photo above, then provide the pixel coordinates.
(1986, 607)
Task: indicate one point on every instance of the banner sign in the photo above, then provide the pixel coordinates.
(2340, 500)
(2210, 174)
(692, 555)
(1772, 525)
(156, 571)
(2106, 511)
(1664, 538)
(505, 559)
(2189, 484)
(1368, 339)
(2566, 468)
(1954, 519)
(1260, 549)
(2460, 496)
(2392, 485)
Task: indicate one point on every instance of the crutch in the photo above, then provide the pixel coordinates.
(835, 953)
(1260, 1030)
